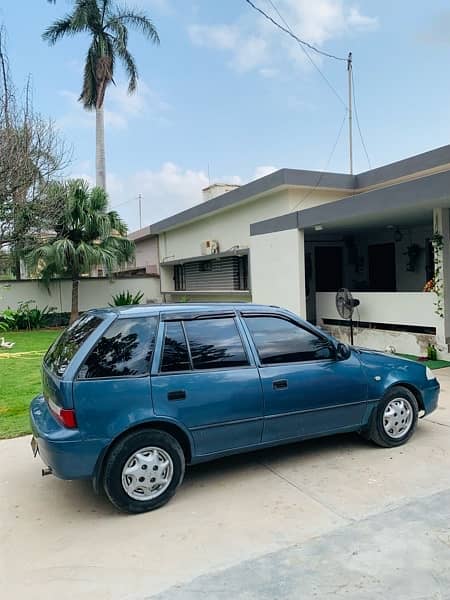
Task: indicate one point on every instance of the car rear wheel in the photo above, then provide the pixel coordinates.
(143, 471)
(395, 419)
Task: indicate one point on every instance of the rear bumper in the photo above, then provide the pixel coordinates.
(62, 449)
(430, 396)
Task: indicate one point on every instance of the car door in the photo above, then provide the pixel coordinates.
(307, 391)
(112, 387)
(206, 378)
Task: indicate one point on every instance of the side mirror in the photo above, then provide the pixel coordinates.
(343, 351)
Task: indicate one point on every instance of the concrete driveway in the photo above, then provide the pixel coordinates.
(336, 516)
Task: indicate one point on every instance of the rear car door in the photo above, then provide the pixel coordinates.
(307, 391)
(206, 378)
(112, 386)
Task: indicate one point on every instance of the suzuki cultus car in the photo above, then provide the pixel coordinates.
(132, 395)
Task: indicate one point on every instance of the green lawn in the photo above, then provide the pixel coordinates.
(433, 364)
(20, 377)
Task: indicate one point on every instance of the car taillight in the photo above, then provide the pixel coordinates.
(66, 416)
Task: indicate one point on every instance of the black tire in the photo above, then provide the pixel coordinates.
(123, 450)
(378, 433)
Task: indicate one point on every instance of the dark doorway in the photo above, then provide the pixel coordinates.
(382, 268)
(328, 268)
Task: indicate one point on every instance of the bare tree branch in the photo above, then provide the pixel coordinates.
(32, 154)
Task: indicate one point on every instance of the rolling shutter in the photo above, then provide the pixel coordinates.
(228, 273)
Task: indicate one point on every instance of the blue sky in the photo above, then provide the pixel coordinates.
(226, 91)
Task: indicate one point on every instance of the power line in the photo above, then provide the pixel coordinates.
(357, 123)
(293, 35)
(126, 202)
(122, 203)
(307, 54)
(327, 164)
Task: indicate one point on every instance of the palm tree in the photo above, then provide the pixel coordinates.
(107, 24)
(87, 236)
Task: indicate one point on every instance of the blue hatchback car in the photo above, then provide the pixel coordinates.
(131, 395)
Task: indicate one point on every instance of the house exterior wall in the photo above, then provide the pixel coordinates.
(407, 281)
(147, 254)
(277, 270)
(230, 227)
(392, 308)
(93, 293)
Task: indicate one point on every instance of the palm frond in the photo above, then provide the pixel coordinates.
(88, 94)
(137, 20)
(87, 14)
(60, 28)
(129, 64)
(86, 235)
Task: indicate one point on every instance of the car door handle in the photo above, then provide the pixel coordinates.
(280, 384)
(176, 395)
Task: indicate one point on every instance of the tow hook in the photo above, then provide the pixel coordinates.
(47, 471)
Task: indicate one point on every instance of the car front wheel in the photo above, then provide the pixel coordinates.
(143, 471)
(395, 419)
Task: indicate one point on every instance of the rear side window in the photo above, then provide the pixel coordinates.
(175, 356)
(124, 350)
(215, 344)
(280, 341)
(69, 342)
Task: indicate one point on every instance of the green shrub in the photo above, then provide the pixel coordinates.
(26, 316)
(126, 298)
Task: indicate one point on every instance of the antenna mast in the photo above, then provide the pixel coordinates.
(350, 116)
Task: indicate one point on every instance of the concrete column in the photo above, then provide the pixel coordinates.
(277, 269)
(166, 278)
(441, 225)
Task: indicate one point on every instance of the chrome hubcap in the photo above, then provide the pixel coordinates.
(398, 417)
(147, 473)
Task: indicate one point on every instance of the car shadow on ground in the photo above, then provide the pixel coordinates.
(79, 497)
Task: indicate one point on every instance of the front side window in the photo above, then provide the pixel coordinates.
(175, 354)
(281, 341)
(215, 344)
(69, 342)
(124, 350)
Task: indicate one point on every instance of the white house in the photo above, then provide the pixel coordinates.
(294, 237)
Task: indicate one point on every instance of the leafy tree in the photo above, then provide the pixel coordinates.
(32, 153)
(86, 236)
(107, 25)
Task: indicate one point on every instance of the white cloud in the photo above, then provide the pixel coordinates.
(255, 44)
(120, 108)
(162, 6)
(223, 37)
(165, 191)
(248, 51)
(263, 171)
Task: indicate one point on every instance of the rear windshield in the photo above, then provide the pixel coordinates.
(69, 342)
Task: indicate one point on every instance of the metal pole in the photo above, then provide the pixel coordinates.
(350, 116)
(140, 211)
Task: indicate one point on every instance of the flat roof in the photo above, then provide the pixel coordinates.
(411, 197)
(432, 159)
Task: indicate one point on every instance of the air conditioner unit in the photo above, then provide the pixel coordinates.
(209, 247)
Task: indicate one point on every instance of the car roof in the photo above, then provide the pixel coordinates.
(142, 310)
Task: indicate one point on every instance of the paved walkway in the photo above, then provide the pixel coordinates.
(335, 516)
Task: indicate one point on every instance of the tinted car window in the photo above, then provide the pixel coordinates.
(175, 355)
(67, 345)
(215, 343)
(124, 350)
(281, 341)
